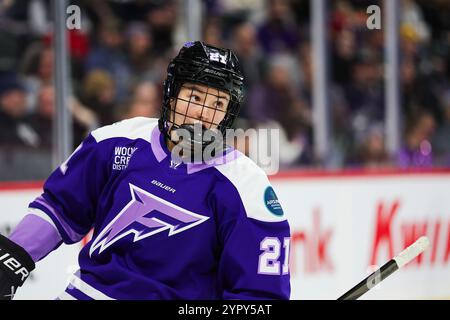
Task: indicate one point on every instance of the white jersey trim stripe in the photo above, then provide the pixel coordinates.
(41, 214)
(66, 296)
(88, 290)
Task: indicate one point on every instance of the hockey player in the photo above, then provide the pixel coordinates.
(163, 228)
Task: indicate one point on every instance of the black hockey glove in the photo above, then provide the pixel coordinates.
(15, 267)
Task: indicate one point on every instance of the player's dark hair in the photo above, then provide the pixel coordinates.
(198, 62)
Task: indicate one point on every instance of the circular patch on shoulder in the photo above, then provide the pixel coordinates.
(272, 203)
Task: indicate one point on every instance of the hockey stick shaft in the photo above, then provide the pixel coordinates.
(387, 269)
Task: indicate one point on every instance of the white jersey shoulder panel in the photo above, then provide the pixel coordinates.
(134, 128)
(252, 185)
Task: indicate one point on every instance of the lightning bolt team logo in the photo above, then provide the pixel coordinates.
(152, 214)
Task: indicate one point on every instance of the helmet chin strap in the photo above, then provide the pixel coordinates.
(194, 139)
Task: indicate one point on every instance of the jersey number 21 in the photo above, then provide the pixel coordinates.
(268, 260)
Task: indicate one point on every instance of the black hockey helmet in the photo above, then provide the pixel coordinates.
(198, 62)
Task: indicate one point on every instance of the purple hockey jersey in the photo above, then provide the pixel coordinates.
(165, 230)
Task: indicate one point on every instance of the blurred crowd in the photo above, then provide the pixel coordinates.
(118, 63)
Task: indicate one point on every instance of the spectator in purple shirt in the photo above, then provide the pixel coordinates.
(418, 151)
(278, 33)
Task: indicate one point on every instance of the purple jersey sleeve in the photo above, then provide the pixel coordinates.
(254, 258)
(37, 236)
(71, 192)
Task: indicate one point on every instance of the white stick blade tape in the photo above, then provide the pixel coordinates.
(412, 251)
